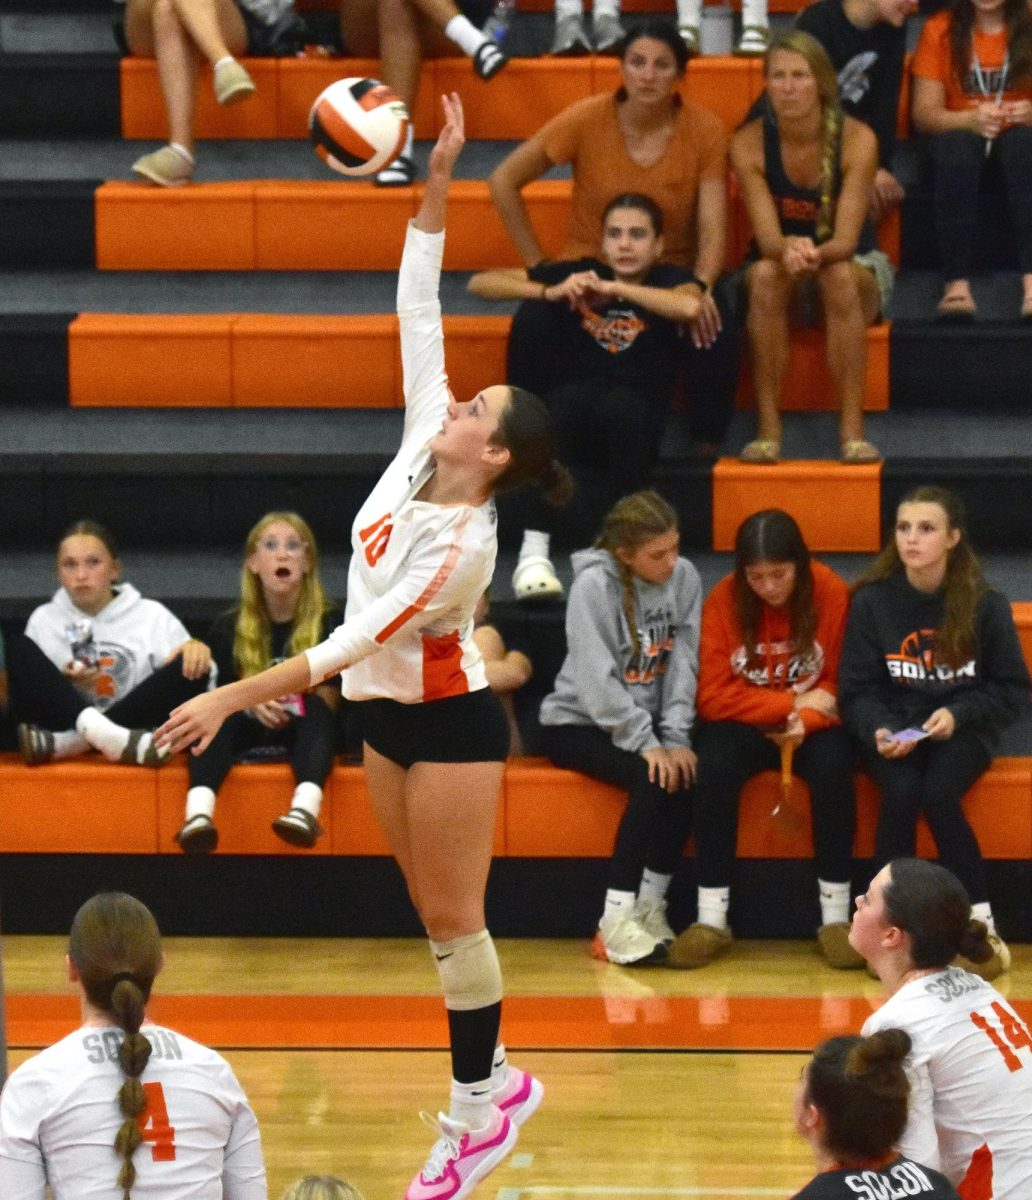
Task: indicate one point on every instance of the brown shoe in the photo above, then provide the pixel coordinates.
(698, 945)
(833, 943)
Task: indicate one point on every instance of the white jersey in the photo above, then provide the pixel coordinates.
(970, 1071)
(133, 637)
(417, 569)
(59, 1115)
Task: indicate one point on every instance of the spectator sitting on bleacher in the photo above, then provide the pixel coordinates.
(771, 637)
(507, 667)
(866, 42)
(180, 34)
(973, 96)
(932, 673)
(806, 172)
(404, 32)
(623, 707)
(604, 352)
(646, 138)
(99, 665)
(283, 610)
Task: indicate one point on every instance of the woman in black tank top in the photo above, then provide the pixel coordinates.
(805, 172)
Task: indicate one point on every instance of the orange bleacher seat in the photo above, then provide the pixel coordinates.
(162, 361)
(808, 384)
(516, 103)
(143, 109)
(315, 361)
(142, 228)
(837, 506)
(77, 808)
(1022, 611)
(475, 352)
(552, 813)
(476, 236)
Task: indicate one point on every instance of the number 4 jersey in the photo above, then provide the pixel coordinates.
(59, 1115)
(970, 1072)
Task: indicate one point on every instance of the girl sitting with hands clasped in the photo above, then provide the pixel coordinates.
(283, 609)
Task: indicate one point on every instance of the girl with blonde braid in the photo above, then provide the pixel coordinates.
(806, 171)
(121, 1102)
(623, 707)
(283, 610)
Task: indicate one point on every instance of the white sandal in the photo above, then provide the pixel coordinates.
(535, 579)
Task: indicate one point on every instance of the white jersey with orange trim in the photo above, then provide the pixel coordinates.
(417, 569)
(59, 1115)
(970, 1070)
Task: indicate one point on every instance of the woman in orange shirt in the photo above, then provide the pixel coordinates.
(768, 661)
(973, 96)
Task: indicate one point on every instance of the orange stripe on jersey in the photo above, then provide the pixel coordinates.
(432, 588)
(977, 1183)
(442, 667)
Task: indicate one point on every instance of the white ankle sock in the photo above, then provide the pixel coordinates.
(834, 902)
(606, 6)
(68, 743)
(535, 544)
(200, 802)
(617, 901)
(471, 1103)
(982, 912)
(567, 8)
(406, 150)
(465, 34)
(499, 1068)
(653, 885)
(713, 904)
(102, 733)
(228, 58)
(689, 12)
(754, 12)
(307, 796)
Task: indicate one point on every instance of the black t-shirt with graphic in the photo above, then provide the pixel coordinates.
(615, 341)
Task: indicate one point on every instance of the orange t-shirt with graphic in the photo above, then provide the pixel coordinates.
(932, 60)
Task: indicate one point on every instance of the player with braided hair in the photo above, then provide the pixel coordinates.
(182, 1125)
(806, 172)
(851, 1106)
(623, 707)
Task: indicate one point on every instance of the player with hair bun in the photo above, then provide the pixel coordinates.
(851, 1106)
(436, 738)
(181, 1125)
(970, 1063)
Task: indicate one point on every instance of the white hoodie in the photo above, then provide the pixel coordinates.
(133, 637)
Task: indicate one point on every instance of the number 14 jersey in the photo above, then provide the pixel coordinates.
(970, 1072)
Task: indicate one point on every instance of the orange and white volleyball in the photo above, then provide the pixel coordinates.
(358, 126)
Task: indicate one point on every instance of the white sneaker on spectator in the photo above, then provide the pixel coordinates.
(607, 31)
(570, 36)
(621, 939)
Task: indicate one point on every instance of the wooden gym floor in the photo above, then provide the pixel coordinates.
(659, 1083)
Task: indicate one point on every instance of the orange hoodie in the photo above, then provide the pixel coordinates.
(762, 691)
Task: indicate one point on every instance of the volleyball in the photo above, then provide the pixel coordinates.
(358, 126)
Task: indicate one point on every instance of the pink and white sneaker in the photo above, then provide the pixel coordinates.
(519, 1096)
(461, 1157)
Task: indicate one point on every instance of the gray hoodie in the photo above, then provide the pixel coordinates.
(644, 701)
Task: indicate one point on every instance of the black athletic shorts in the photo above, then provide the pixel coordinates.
(460, 729)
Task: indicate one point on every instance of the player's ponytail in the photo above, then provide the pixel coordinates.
(860, 1088)
(115, 948)
(525, 430)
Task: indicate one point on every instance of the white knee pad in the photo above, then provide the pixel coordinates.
(470, 974)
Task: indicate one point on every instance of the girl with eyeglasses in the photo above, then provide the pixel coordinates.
(283, 610)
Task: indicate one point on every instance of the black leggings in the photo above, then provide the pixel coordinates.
(42, 695)
(959, 167)
(656, 823)
(730, 753)
(932, 780)
(309, 742)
